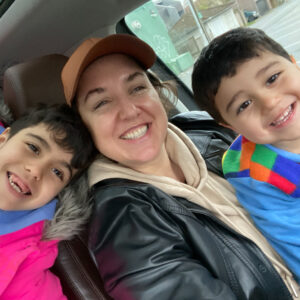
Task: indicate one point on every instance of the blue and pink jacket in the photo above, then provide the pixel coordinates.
(25, 258)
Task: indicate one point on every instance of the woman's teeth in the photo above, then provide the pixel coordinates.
(135, 134)
(283, 117)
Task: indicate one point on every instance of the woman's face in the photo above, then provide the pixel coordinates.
(123, 111)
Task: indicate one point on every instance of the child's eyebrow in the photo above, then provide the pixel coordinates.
(259, 73)
(40, 139)
(68, 167)
(264, 69)
(234, 97)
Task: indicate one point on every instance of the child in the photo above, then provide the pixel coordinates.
(41, 153)
(249, 83)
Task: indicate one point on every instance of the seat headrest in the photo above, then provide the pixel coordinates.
(32, 82)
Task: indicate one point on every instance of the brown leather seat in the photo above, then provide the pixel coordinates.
(35, 81)
(38, 81)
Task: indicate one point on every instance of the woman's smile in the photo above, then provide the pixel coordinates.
(135, 133)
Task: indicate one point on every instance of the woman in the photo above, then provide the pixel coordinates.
(164, 226)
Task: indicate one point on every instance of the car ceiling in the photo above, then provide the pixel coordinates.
(32, 28)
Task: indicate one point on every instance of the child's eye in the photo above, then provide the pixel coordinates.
(243, 106)
(58, 173)
(272, 78)
(33, 148)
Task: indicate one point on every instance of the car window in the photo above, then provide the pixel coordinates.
(4, 6)
(178, 30)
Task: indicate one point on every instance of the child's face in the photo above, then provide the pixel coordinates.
(261, 101)
(33, 169)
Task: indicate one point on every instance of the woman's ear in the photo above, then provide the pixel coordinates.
(4, 136)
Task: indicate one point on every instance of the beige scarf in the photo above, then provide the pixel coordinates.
(201, 187)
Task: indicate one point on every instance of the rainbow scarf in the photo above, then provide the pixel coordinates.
(247, 159)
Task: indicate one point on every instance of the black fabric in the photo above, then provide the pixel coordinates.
(149, 245)
(211, 139)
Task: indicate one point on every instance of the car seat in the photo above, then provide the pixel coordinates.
(38, 81)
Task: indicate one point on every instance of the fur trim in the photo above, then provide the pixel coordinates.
(74, 206)
(72, 213)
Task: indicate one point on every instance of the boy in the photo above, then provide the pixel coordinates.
(249, 83)
(41, 153)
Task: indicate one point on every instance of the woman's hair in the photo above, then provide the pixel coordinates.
(166, 90)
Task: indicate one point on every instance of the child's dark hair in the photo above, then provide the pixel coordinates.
(67, 130)
(222, 57)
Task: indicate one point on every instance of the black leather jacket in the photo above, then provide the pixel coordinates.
(153, 246)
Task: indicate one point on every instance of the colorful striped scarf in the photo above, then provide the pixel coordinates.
(247, 159)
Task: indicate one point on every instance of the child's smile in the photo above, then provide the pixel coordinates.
(18, 184)
(261, 101)
(33, 169)
(284, 117)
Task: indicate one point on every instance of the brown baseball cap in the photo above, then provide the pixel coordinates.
(94, 48)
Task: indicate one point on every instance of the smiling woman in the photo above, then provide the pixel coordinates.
(153, 192)
(126, 118)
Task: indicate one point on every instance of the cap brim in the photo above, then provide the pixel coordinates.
(95, 48)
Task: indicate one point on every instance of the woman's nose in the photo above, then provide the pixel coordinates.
(128, 110)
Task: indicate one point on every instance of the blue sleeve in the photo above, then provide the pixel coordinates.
(2, 128)
(276, 214)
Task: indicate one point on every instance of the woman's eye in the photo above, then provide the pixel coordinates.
(33, 148)
(138, 88)
(272, 78)
(58, 173)
(100, 104)
(243, 106)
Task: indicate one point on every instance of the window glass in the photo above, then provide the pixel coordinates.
(178, 29)
(4, 6)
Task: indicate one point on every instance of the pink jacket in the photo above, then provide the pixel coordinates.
(24, 266)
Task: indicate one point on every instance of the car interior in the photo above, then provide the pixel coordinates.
(58, 27)
(36, 38)
(32, 57)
